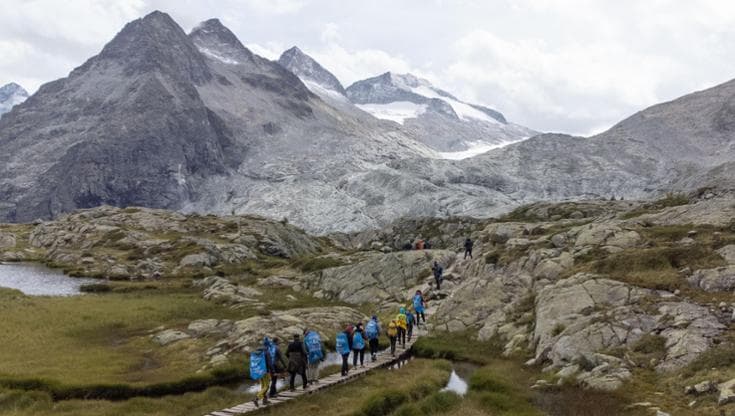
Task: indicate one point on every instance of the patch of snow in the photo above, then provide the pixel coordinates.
(475, 148)
(214, 55)
(323, 91)
(463, 110)
(397, 111)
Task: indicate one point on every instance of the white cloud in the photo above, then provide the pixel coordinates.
(554, 65)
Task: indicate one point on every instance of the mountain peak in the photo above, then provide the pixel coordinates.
(154, 42)
(11, 88)
(309, 70)
(217, 42)
(11, 94)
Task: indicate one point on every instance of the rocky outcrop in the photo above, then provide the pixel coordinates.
(378, 277)
(7, 241)
(582, 315)
(721, 279)
(142, 243)
(219, 289)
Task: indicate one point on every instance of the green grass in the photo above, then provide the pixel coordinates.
(456, 347)
(22, 403)
(98, 340)
(314, 264)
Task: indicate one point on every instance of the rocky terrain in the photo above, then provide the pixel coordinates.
(603, 294)
(214, 128)
(11, 95)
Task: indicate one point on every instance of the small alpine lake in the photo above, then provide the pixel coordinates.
(37, 280)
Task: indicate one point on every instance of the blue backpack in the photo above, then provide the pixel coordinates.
(371, 330)
(258, 365)
(270, 347)
(409, 318)
(358, 342)
(313, 347)
(418, 303)
(343, 344)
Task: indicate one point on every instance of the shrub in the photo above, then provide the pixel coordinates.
(382, 403)
(314, 264)
(95, 288)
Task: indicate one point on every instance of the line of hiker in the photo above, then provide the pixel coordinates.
(303, 358)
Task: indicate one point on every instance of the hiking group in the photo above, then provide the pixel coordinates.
(303, 358)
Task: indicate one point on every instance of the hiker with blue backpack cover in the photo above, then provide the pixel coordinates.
(372, 330)
(315, 355)
(261, 368)
(279, 365)
(358, 345)
(418, 305)
(344, 346)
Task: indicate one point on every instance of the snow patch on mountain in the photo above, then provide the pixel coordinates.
(214, 55)
(397, 111)
(474, 149)
(11, 95)
(324, 92)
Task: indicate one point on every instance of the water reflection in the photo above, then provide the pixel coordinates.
(36, 280)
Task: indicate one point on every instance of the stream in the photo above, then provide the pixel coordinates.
(37, 280)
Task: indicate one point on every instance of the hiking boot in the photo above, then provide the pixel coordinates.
(265, 402)
(255, 402)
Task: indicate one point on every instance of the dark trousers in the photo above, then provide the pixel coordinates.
(274, 389)
(402, 336)
(410, 331)
(345, 363)
(438, 282)
(393, 345)
(355, 354)
(302, 373)
(419, 317)
(373, 347)
(467, 252)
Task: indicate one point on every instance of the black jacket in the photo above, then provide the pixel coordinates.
(468, 244)
(296, 357)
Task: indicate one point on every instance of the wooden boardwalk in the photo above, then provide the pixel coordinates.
(384, 359)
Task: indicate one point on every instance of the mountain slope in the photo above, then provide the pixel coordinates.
(310, 71)
(11, 95)
(164, 119)
(434, 116)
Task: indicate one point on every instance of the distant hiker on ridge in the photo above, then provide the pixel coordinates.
(468, 243)
(438, 271)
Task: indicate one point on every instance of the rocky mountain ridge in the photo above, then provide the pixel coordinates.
(198, 123)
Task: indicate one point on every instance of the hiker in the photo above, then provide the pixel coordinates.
(468, 243)
(344, 346)
(437, 270)
(427, 245)
(402, 326)
(296, 361)
(409, 323)
(358, 345)
(418, 306)
(408, 246)
(393, 336)
(261, 368)
(419, 244)
(372, 330)
(315, 352)
(279, 365)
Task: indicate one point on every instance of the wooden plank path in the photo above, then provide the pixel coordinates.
(384, 359)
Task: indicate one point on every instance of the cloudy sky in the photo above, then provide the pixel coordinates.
(574, 66)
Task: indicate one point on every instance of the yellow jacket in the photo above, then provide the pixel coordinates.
(402, 321)
(392, 329)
